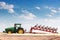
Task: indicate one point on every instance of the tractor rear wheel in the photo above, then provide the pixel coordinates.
(20, 31)
(9, 32)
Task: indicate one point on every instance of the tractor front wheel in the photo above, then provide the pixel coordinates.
(9, 32)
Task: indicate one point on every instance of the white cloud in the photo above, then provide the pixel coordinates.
(6, 6)
(38, 8)
(55, 20)
(49, 15)
(49, 7)
(54, 11)
(11, 11)
(27, 15)
(58, 8)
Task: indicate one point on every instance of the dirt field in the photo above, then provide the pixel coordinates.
(29, 36)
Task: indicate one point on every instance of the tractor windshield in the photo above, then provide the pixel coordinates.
(18, 26)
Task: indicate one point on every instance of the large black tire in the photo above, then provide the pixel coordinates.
(20, 31)
(9, 32)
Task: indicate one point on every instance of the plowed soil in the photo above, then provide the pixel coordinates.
(4, 36)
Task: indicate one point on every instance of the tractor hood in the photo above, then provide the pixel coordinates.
(12, 28)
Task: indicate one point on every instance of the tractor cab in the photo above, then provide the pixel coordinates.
(17, 26)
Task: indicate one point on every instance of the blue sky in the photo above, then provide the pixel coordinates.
(29, 13)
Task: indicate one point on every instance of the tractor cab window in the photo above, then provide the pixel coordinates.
(17, 26)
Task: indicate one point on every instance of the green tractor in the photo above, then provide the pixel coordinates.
(16, 29)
